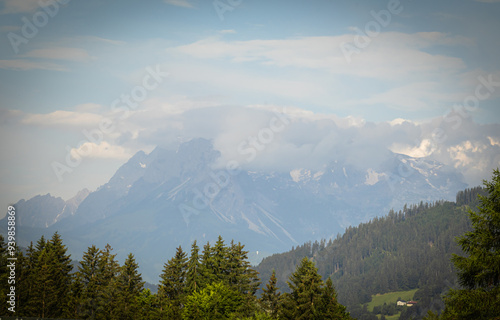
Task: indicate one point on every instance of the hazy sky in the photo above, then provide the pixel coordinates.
(86, 84)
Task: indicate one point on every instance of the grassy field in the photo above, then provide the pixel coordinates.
(391, 297)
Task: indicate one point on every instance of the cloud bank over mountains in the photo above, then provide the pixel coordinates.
(265, 137)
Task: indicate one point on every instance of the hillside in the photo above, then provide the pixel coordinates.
(404, 250)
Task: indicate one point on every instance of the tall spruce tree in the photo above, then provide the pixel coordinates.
(130, 285)
(305, 285)
(270, 298)
(89, 276)
(52, 280)
(479, 270)
(60, 270)
(329, 308)
(193, 273)
(26, 276)
(173, 283)
(109, 269)
(207, 275)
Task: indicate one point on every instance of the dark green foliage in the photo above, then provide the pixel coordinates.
(148, 305)
(217, 301)
(309, 298)
(405, 250)
(129, 283)
(173, 283)
(89, 277)
(479, 270)
(193, 273)
(50, 272)
(270, 298)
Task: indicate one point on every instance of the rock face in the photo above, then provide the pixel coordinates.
(43, 211)
(158, 201)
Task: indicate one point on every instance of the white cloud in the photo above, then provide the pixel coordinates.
(24, 65)
(19, 6)
(62, 118)
(425, 149)
(103, 150)
(406, 52)
(180, 3)
(60, 53)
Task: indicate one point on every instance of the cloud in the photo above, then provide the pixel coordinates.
(24, 65)
(103, 150)
(103, 40)
(19, 6)
(180, 3)
(62, 118)
(59, 53)
(406, 51)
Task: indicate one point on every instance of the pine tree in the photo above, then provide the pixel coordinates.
(108, 292)
(130, 285)
(60, 265)
(193, 274)
(207, 276)
(241, 275)
(25, 274)
(173, 282)
(329, 307)
(88, 275)
(305, 285)
(215, 302)
(52, 280)
(479, 271)
(270, 298)
(218, 261)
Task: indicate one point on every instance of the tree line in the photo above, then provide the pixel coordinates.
(216, 282)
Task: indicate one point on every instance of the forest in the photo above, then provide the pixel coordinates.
(447, 253)
(412, 249)
(405, 250)
(217, 282)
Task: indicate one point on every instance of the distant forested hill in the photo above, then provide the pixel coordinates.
(404, 250)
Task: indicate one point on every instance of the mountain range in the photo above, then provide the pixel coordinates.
(170, 197)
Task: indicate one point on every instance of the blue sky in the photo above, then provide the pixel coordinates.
(419, 61)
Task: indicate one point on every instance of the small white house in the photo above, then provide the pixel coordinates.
(401, 303)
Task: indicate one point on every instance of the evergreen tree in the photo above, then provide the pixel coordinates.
(173, 282)
(218, 264)
(479, 271)
(193, 274)
(215, 302)
(52, 280)
(240, 275)
(270, 298)
(60, 270)
(73, 308)
(329, 307)
(109, 269)
(130, 285)
(25, 274)
(89, 277)
(207, 276)
(148, 307)
(305, 285)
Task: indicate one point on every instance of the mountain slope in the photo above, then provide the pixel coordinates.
(409, 249)
(158, 201)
